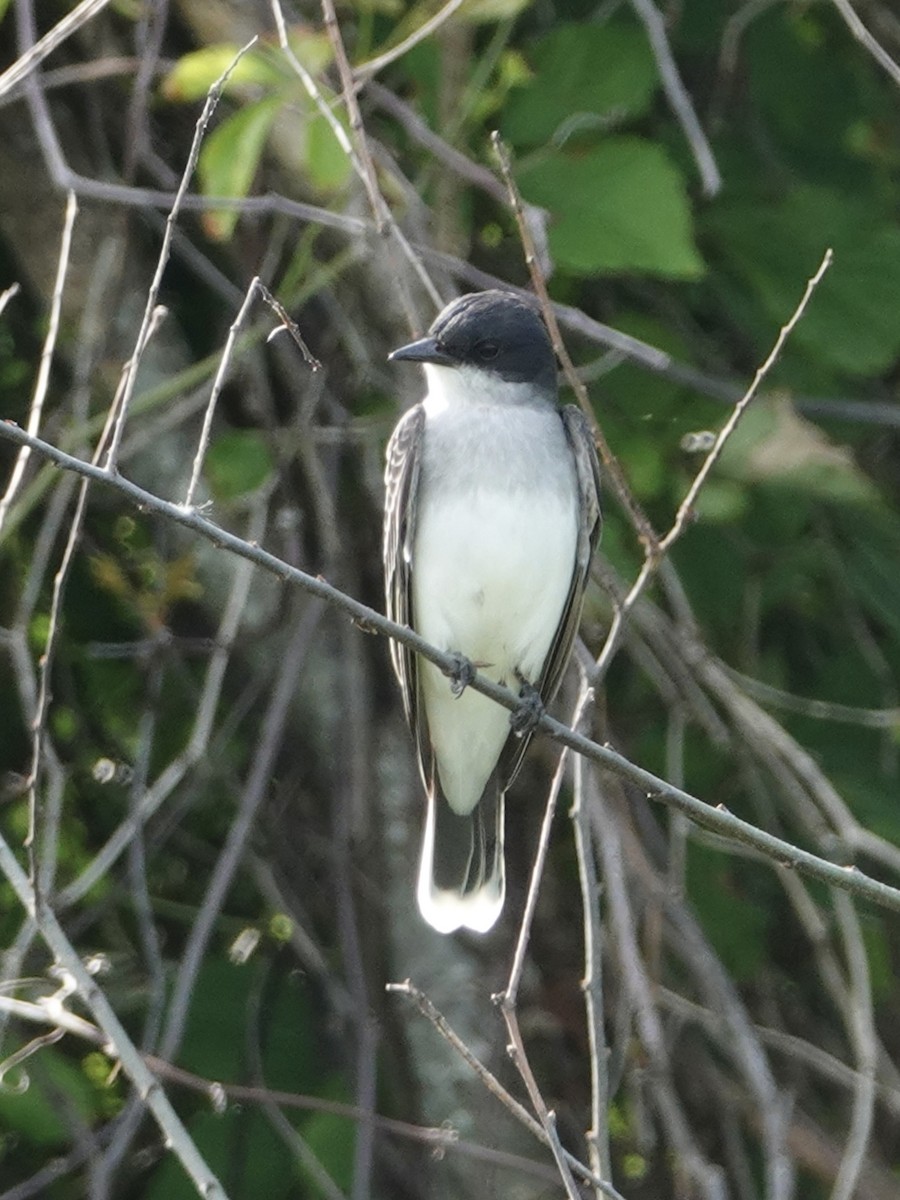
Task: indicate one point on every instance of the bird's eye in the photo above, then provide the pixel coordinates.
(487, 350)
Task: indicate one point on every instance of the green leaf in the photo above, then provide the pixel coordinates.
(263, 67)
(482, 11)
(230, 158)
(621, 207)
(734, 918)
(327, 163)
(870, 554)
(238, 462)
(239, 1145)
(851, 322)
(332, 1139)
(35, 1113)
(194, 74)
(584, 75)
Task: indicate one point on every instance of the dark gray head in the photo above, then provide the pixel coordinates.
(492, 331)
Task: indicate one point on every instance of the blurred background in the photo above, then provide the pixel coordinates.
(227, 804)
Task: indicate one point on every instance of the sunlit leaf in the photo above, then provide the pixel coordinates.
(492, 10)
(195, 73)
(230, 158)
(326, 162)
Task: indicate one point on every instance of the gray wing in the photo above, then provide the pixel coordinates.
(401, 480)
(587, 471)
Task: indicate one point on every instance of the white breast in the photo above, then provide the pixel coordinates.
(492, 565)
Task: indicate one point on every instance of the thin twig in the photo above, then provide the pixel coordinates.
(54, 37)
(256, 286)
(654, 554)
(537, 874)
(686, 508)
(372, 66)
(490, 1081)
(592, 982)
(862, 35)
(8, 294)
(862, 1032)
(150, 318)
(546, 1116)
(43, 375)
(818, 710)
(678, 96)
(42, 701)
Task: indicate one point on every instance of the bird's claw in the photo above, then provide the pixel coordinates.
(525, 718)
(460, 674)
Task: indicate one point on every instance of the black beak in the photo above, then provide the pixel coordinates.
(425, 350)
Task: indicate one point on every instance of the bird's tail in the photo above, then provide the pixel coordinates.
(461, 875)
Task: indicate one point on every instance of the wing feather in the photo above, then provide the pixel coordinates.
(401, 479)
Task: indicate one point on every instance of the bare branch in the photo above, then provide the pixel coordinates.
(862, 35)
(490, 1081)
(43, 375)
(716, 819)
(862, 1030)
(686, 508)
(64, 29)
(147, 1085)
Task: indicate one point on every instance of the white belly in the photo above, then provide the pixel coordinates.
(491, 571)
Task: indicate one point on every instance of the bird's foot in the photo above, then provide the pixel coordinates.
(460, 674)
(524, 720)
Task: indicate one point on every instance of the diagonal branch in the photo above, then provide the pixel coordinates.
(716, 819)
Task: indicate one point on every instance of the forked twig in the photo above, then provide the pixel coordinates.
(490, 1081)
(256, 286)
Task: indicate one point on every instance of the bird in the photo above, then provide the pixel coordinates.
(492, 514)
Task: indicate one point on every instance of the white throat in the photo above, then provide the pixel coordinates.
(461, 387)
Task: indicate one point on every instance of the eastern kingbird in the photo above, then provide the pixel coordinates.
(491, 515)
